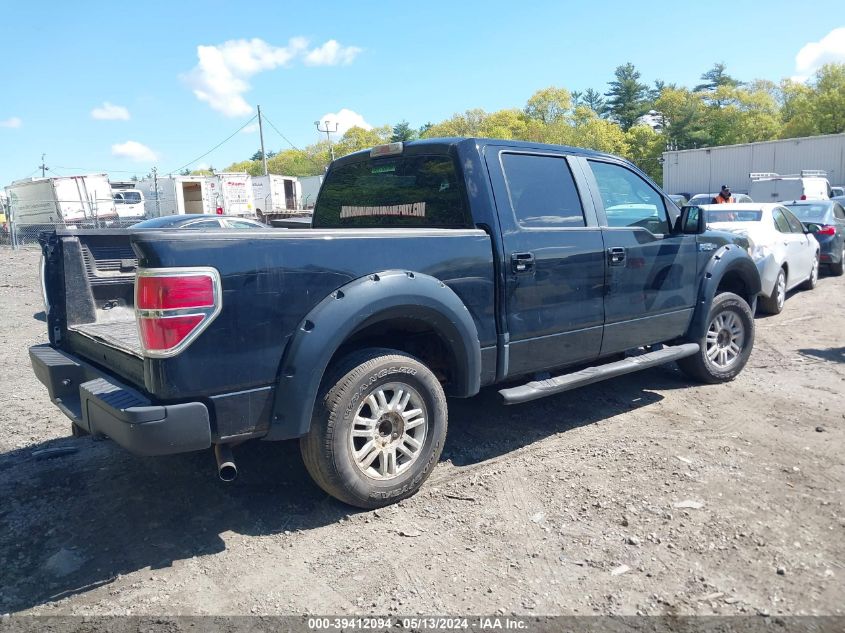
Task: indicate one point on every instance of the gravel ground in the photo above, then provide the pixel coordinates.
(644, 494)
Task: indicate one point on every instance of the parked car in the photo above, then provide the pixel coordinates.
(200, 221)
(432, 267)
(786, 254)
(826, 220)
(837, 192)
(809, 184)
(678, 199)
(707, 198)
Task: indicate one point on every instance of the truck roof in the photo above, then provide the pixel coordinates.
(444, 144)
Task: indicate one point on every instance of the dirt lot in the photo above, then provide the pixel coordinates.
(645, 494)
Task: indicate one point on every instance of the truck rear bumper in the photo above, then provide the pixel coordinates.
(99, 404)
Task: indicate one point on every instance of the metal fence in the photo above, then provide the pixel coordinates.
(20, 224)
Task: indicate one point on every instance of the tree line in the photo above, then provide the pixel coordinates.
(630, 118)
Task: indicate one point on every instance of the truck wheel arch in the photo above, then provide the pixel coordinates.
(730, 269)
(360, 304)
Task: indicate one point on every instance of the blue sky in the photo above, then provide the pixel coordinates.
(158, 104)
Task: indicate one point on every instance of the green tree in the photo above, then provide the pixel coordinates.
(549, 105)
(716, 77)
(627, 96)
(682, 116)
(259, 156)
(595, 101)
(829, 106)
(402, 131)
(645, 148)
(467, 124)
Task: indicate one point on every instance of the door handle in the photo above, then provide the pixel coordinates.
(616, 256)
(522, 262)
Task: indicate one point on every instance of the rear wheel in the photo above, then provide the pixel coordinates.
(774, 303)
(378, 428)
(813, 279)
(726, 345)
(837, 269)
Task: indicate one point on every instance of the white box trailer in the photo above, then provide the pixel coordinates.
(234, 194)
(275, 195)
(69, 200)
(178, 195)
(706, 170)
(309, 187)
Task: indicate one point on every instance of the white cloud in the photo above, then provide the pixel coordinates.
(252, 128)
(221, 76)
(814, 55)
(344, 119)
(133, 150)
(331, 54)
(110, 112)
(12, 122)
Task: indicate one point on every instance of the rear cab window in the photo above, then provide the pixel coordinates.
(417, 191)
(542, 191)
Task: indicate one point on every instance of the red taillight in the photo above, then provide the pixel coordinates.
(804, 197)
(826, 230)
(173, 306)
(171, 293)
(219, 210)
(165, 333)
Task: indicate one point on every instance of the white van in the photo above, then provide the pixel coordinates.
(810, 184)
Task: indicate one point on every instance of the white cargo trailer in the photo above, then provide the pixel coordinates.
(275, 195)
(309, 187)
(177, 195)
(706, 170)
(234, 194)
(70, 200)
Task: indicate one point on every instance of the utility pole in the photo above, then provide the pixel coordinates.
(43, 166)
(155, 189)
(328, 134)
(261, 134)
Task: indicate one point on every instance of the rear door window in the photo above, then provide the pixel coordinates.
(405, 191)
(795, 225)
(781, 222)
(542, 191)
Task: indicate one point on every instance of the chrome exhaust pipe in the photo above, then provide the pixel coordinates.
(226, 468)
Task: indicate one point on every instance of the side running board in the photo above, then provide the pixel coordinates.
(541, 388)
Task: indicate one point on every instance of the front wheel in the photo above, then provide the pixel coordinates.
(774, 303)
(378, 428)
(727, 343)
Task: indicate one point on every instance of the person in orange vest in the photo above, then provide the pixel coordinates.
(724, 196)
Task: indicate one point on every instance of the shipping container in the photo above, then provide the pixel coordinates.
(309, 188)
(706, 170)
(177, 195)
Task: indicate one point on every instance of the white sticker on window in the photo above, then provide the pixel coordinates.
(414, 210)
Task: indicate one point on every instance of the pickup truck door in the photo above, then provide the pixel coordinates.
(652, 277)
(554, 260)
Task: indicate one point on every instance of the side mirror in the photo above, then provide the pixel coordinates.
(812, 228)
(691, 221)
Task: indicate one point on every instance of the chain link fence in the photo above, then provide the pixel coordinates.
(20, 225)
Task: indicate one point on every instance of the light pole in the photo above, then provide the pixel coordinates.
(328, 134)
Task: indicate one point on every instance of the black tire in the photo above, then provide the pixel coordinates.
(837, 269)
(327, 449)
(775, 303)
(701, 366)
(813, 280)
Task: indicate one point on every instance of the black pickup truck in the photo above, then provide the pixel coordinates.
(432, 268)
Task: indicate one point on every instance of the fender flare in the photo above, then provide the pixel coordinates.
(727, 259)
(358, 304)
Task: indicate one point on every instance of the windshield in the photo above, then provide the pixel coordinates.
(809, 212)
(732, 215)
(132, 197)
(162, 222)
(413, 191)
(701, 198)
